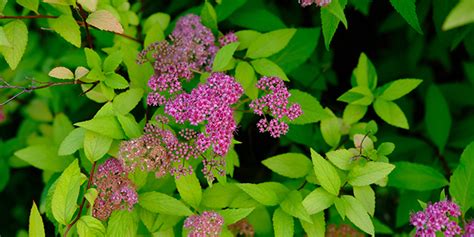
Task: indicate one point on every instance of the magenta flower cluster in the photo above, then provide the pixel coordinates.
(208, 224)
(209, 103)
(438, 217)
(275, 103)
(469, 229)
(191, 47)
(228, 38)
(115, 190)
(160, 151)
(320, 3)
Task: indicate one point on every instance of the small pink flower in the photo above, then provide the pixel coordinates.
(209, 223)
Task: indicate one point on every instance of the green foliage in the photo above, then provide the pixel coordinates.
(76, 96)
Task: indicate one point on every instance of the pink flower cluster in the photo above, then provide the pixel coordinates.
(115, 190)
(209, 223)
(158, 150)
(437, 217)
(320, 3)
(210, 103)
(469, 229)
(191, 48)
(227, 39)
(275, 103)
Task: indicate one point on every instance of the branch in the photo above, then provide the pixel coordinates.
(83, 15)
(27, 17)
(31, 88)
(81, 207)
(80, 23)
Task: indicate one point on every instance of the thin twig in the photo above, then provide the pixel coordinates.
(80, 23)
(81, 207)
(83, 16)
(27, 17)
(31, 88)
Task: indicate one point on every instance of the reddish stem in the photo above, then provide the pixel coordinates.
(81, 207)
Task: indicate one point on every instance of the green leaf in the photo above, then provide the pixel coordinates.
(122, 223)
(265, 67)
(3, 37)
(460, 15)
(223, 56)
(163, 204)
(417, 177)
(390, 113)
(381, 228)
(36, 226)
(67, 27)
(312, 110)
(93, 59)
(292, 165)
(16, 33)
(160, 19)
(357, 214)
(326, 174)
(366, 197)
(44, 157)
(318, 200)
(267, 20)
(126, 101)
(88, 5)
(104, 20)
(107, 126)
(337, 10)
(353, 113)
(209, 17)
(72, 142)
(407, 9)
(88, 226)
(246, 37)
(61, 73)
(462, 181)
(292, 205)
(283, 224)
(116, 81)
(131, 128)
(342, 158)
(61, 128)
(189, 189)
(112, 62)
(329, 23)
(398, 88)
(317, 227)
(298, 50)
(64, 202)
(386, 148)
(359, 95)
(371, 172)
(268, 194)
(227, 7)
(270, 43)
(220, 195)
(154, 34)
(245, 75)
(437, 117)
(331, 131)
(233, 215)
(96, 145)
(29, 4)
(365, 73)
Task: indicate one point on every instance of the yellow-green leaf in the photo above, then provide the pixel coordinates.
(16, 33)
(104, 20)
(36, 226)
(61, 73)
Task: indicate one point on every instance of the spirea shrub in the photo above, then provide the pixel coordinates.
(236, 118)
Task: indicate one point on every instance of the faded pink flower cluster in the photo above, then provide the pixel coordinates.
(208, 224)
(437, 217)
(469, 229)
(191, 47)
(158, 150)
(227, 39)
(209, 103)
(115, 190)
(275, 103)
(320, 3)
